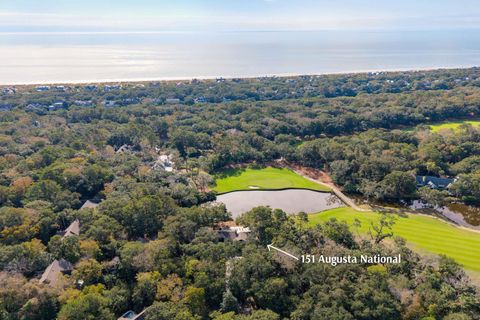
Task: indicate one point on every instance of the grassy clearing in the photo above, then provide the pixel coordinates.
(422, 232)
(262, 179)
(453, 125)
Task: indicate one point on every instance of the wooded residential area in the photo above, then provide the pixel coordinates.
(106, 196)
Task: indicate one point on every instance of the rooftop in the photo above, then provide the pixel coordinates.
(73, 229)
(434, 182)
(89, 205)
(52, 274)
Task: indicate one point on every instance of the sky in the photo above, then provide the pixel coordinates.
(234, 15)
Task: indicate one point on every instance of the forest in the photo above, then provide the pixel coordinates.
(149, 241)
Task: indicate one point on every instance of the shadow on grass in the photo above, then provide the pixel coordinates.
(235, 172)
(381, 209)
(230, 172)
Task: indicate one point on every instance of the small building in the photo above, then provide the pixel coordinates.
(52, 275)
(56, 106)
(130, 315)
(73, 229)
(164, 162)
(109, 103)
(108, 88)
(173, 101)
(200, 100)
(36, 107)
(234, 233)
(89, 204)
(90, 87)
(8, 91)
(83, 103)
(42, 88)
(434, 182)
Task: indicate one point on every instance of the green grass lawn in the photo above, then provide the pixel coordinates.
(422, 232)
(266, 178)
(453, 125)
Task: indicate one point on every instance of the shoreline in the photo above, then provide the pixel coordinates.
(228, 77)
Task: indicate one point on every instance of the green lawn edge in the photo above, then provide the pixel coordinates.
(268, 178)
(422, 232)
(453, 125)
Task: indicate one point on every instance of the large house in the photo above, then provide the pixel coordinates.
(434, 182)
(234, 233)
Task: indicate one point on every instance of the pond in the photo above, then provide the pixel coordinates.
(291, 201)
(462, 214)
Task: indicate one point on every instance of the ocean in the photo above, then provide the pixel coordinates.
(93, 57)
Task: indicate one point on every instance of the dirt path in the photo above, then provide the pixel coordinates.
(322, 178)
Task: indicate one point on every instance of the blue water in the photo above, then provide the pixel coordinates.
(70, 57)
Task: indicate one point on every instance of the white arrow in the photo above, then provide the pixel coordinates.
(270, 247)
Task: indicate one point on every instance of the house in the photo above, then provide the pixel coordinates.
(434, 182)
(234, 233)
(123, 149)
(83, 103)
(9, 91)
(232, 131)
(52, 275)
(56, 106)
(108, 88)
(90, 87)
(73, 229)
(109, 103)
(164, 162)
(130, 315)
(89, 205)
(129, 101)
(173, 101)
(200, 100)
(43, 88)
(35, 107)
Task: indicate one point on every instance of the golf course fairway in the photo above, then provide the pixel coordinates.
(421, 232)
(453, 125)
(263, 179)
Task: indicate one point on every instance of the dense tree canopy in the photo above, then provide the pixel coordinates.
(151, 242)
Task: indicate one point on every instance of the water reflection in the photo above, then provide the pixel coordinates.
(84, 57)
(462, 214)
(291, 201)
